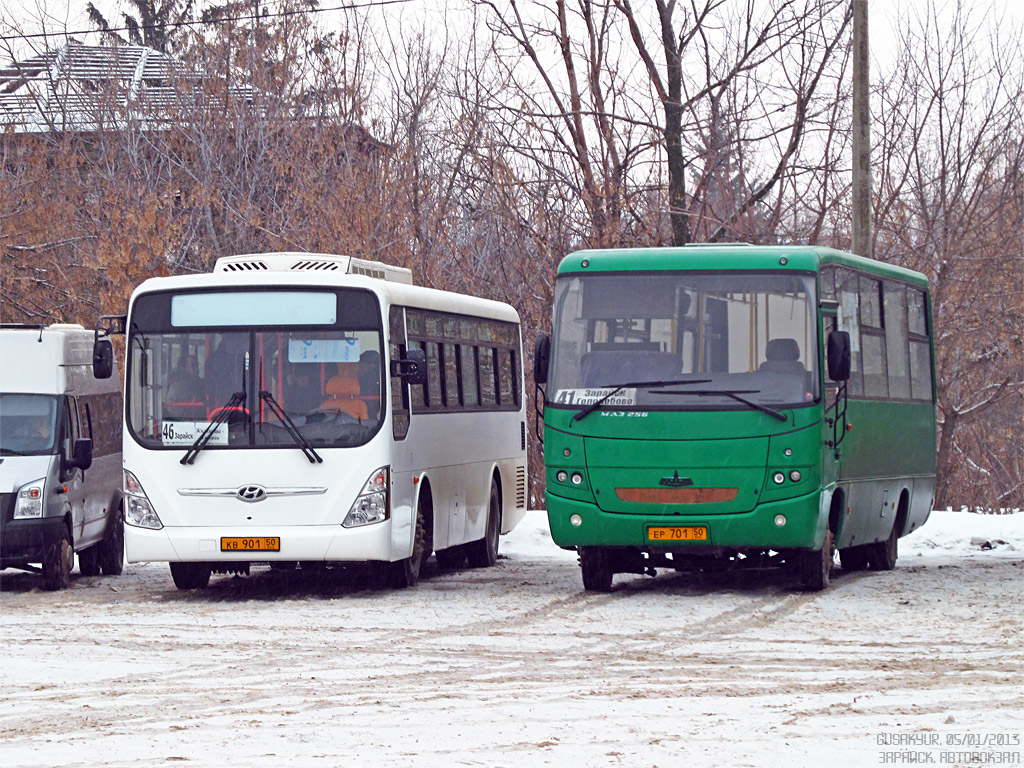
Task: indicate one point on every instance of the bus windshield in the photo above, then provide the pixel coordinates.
(685, 341)
(321, 367)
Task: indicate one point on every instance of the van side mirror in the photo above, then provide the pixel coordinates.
(82, 453)
(102, 359)
(541, 358)
(837, 355)
(412, 368)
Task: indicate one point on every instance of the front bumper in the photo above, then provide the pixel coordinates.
(27, 540)
(805, 526)
(306, 543)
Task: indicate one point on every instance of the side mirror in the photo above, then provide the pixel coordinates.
(837, 355)
(82, 457)
(412, 368)
(541, 358)
(102, 359)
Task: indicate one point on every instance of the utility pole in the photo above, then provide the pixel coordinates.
(861, 132)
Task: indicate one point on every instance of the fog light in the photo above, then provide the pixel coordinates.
(795, 476)
(780, 520)
(576, 520)
(561, 476)
(577, 478)
(779, 478)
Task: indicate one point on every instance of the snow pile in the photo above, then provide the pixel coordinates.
(967, 533)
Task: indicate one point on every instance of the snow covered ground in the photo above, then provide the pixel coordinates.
(516, 665)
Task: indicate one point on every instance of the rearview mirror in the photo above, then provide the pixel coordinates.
(837, 355)
(541, 358)
(412, 368)
(102, 359)
(82, 453)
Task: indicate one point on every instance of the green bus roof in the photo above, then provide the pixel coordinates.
(731, 256)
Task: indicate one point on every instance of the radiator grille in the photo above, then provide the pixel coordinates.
(520, 487)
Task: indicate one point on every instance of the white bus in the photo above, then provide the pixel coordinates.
(295, 408)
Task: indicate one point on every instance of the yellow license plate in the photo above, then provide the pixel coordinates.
(678, 533)
(250, 544)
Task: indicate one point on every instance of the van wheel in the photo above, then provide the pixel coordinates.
(111, 549)
(89, 561)
(596, 566)
(58, 562)
(406, 573)
(484, 553)
(815, 567)
(190, 575)
(882, 555)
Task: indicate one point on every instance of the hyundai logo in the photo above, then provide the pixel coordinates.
(251, 493)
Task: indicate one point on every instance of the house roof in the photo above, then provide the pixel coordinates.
(80, 87)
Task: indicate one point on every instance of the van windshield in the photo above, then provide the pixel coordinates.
(702, 341)
(321, 366)
(28, 424)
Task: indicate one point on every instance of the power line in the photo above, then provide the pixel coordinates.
(220, 20)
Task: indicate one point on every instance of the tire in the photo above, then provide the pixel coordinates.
(815, 566)
(58, 561)
(452, 558)
(111, 549)
(89, 561)
(596, 567)
(882, 555)
(190, 575)
(406, 573)
(484, 553)
(853, 558)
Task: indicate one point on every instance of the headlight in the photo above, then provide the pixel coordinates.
(138, 510)
(30, 499)
(372, 503)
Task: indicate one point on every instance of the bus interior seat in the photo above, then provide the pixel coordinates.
(611, 367)
(783, 356)
(343, 395)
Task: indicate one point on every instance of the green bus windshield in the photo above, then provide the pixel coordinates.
(753, 334)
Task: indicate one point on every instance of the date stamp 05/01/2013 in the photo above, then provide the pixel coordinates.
(965, 749)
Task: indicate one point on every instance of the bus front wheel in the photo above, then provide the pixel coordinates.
(406, 573)
(596, 566)
(815, 566)
(190, 575)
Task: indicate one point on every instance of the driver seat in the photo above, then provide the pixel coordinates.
(343, 395)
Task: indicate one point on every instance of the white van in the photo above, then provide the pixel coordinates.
(60, 455)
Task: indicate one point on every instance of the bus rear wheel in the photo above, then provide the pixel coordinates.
(882, 555)
(815, 566)
(190, 575)
(484, 553)
(596, 566)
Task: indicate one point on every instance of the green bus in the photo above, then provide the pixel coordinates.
(735, 405)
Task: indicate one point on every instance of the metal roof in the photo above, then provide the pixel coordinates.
(80, 87)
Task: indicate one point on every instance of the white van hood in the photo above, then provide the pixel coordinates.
(16, 471)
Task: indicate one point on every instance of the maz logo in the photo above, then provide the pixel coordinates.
(675, 481)
(251, 493)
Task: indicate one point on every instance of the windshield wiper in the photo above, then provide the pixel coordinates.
(291, 429)
(583, 413)
(222, 416)
(735, 395)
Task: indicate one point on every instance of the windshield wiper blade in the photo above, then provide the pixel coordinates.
(735, 395)
(583, 413)
(291, 429)
(222, 416)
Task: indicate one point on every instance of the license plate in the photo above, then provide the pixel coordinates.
(678, 533)
(250, 544)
